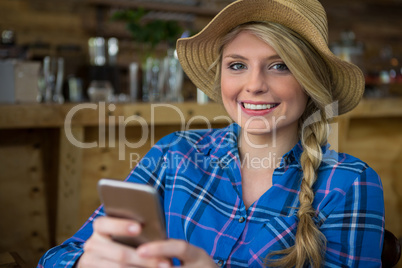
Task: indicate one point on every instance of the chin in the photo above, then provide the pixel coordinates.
(257, 130)
(260, 124)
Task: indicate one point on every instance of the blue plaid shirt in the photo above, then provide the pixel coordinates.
(197, 174)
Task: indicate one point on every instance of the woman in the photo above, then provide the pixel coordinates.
(267, 190)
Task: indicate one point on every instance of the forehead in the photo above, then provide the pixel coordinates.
(246, 42)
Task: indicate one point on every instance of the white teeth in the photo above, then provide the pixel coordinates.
(258, 106)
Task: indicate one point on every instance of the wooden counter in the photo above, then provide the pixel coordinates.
(53, 155)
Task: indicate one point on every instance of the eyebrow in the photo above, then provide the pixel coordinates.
(237, 56)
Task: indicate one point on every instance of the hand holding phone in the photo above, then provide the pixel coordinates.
(135, 201)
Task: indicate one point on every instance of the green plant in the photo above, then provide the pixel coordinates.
(148, 32)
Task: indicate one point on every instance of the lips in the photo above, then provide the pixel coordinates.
(256, 107)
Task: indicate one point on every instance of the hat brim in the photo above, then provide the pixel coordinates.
(198, 53)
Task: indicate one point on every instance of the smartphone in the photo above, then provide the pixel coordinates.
(135, 201)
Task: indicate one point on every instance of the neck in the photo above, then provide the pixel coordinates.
(266, 149)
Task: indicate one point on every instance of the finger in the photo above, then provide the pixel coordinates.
(116, 226)
(101, 249)
(104, 263)
(94, 261)
(172, 248)
(99, 262)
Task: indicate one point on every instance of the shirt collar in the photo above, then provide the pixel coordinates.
(220, 142)
(293, 156)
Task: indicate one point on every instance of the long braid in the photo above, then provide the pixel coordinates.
(309, 242)
(309, 239)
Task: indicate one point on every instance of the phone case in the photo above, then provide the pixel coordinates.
(139, 202)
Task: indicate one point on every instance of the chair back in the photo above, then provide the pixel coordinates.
(391, 251)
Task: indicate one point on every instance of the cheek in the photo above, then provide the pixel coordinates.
(227, 90)
(294, 96)
(229, 96)
(299, 96)
(302, 96)
(300, 102)
(293, 92)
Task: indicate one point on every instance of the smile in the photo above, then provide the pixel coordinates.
(251, 106)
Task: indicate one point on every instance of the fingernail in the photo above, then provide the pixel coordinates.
(163, 265)
(133, 228)
(142, 251)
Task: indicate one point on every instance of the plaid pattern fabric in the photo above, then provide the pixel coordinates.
(197, 174)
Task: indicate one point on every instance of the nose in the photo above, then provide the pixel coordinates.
(256, 82)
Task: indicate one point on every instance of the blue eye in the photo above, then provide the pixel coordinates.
(280, 67)
(237, 66)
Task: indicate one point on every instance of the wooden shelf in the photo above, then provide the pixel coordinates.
(88, 114)
(92, 114)
(202, 11)
(374, 108)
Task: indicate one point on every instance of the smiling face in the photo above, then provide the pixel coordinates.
(258, 90)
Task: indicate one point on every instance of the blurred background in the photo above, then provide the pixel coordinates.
(120, 56)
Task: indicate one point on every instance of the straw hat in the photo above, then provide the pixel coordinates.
(306, 17)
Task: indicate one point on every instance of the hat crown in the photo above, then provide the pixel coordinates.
(314, 12)
(306, 17)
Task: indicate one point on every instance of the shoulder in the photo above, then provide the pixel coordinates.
(343, 171)
(346, 183)
(344, 164)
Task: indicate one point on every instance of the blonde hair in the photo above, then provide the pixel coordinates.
(312, 73)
